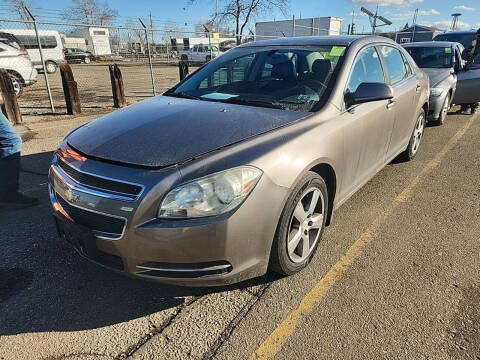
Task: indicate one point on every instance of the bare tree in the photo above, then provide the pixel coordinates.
(242, 12)
(90, 12)
(20, 8)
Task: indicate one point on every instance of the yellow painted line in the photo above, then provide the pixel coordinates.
(274, 342)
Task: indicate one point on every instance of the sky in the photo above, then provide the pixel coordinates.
(184, 14)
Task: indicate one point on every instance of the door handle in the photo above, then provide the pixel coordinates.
(391, 104)
(418, 88)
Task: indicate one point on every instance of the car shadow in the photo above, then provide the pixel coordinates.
(46, 286)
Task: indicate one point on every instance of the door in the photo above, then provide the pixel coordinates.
(468, 83)
(468, 86)
(406, 92)
(367, 127)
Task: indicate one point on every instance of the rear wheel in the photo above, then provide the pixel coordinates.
(301, 226)
(444, 111)
(51, 67)
(415, 139)
(208, 58)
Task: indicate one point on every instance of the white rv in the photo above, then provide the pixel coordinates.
(52, 47)
(97, 39)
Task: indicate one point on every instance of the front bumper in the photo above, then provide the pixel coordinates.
(197, 252)
(435, 105)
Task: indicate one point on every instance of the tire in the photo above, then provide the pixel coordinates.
(296, 229)
(444, 112)
(86, 60)
(17, 85)
(51, 67)
(415, 139)
(208, 58)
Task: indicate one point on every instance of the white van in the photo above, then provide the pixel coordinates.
(52, 47)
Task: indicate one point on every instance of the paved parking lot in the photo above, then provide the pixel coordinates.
(395, 277)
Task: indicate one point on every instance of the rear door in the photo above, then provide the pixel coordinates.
(406, 92)
(367, 127)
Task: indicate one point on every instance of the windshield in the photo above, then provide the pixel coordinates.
(292, 78)
(431, 57)
(465, 39)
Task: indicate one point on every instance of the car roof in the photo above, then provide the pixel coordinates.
(464, 32)
(338, 40)
(431, 44)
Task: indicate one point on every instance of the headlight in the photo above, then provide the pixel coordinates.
(436, 91)
(211, 195)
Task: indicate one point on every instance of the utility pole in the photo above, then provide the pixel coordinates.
(151, 29)
(216, 15)
(352, 27)
(414, 24)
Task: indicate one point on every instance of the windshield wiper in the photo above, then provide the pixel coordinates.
(182, 95)
(261, 103)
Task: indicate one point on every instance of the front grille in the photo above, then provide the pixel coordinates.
(93, 221)
(98, 182)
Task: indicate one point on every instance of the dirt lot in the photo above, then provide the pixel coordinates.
(94, 86)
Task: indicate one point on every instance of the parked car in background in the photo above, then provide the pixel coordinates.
(468, 80)
(240, 166)
(18, 65)
(52, 47)
(442, 61)
(78, 56)
(200, 53)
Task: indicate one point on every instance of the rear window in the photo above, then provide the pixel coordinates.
(11, 40)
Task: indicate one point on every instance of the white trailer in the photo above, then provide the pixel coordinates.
(97, 39)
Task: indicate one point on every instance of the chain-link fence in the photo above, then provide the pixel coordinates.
(147, 58)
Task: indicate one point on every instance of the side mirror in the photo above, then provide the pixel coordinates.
(368, 92)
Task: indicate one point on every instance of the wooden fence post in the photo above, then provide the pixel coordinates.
(10, 104)
(70, 90)
(118, 89)
(183, 69)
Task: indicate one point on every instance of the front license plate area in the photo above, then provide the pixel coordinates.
(80, 237)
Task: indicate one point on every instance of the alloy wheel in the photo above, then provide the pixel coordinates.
(418, 133)
(51, 68)
(305, 225)
(17, 87)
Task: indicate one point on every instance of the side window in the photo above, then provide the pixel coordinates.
(367, 68)
(195, 48)
(395, 64)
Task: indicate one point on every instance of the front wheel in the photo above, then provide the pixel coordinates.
(444, 111)
(51, 67)
(415, 139)
(86, 60)
(301, 226)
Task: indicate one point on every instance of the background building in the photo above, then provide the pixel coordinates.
(417, 33)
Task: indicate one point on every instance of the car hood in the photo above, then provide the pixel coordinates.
(437, 75)
(163, 131)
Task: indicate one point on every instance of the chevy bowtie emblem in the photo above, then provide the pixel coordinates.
(71, 195)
